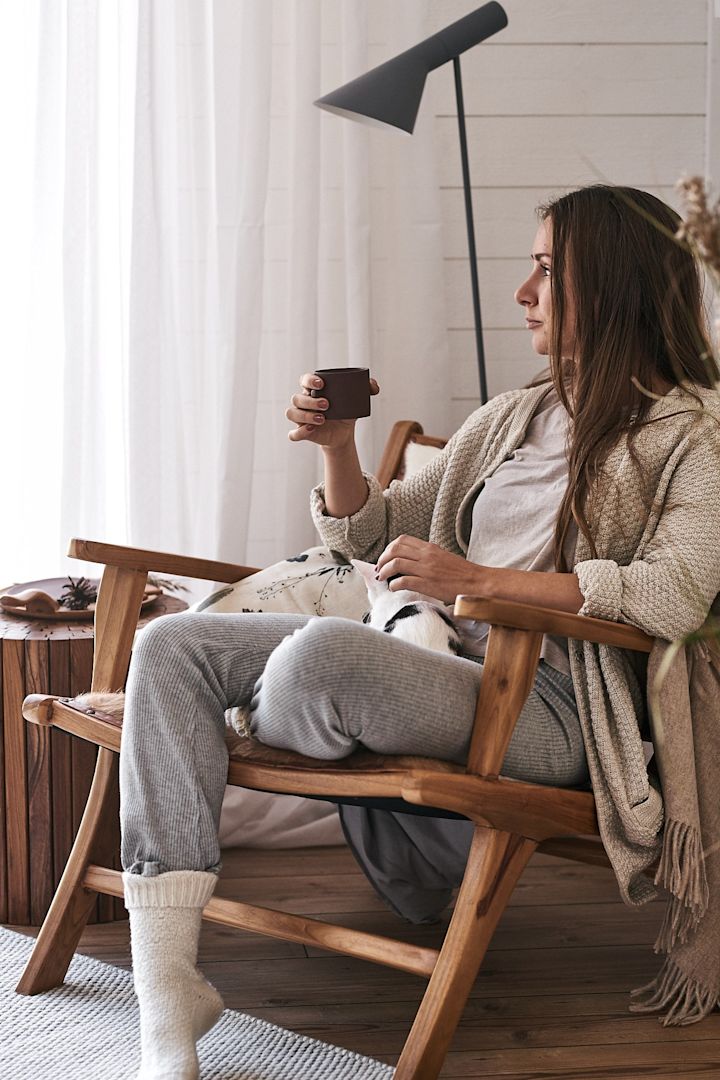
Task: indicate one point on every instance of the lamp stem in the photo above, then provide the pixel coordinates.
(470, 232)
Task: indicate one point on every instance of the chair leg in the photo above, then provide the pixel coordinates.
(495, 863)
(72, 903)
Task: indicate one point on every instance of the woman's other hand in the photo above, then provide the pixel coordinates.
(427, 568)
(308, 414)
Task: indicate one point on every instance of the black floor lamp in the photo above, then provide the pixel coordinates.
(389, 96)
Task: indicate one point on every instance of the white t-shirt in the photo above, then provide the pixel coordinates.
(514, 514)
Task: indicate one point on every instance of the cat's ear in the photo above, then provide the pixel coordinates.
(366, 570)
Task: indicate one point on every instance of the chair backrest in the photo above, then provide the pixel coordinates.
(406, 451)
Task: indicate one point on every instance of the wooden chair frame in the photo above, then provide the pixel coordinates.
(512, 818)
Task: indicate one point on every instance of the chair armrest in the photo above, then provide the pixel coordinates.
(129, 558)
(519, 616)
(391, 461)
(120, 596)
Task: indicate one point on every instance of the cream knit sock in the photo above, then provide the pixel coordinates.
(177, 1004)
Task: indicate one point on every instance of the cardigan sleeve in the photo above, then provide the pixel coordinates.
(355, 536)
(668, 591)
(405, 507)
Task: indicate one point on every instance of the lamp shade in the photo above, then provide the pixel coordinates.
(390, 94)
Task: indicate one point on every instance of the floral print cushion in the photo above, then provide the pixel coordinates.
(318, 581)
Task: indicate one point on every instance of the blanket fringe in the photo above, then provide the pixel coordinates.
(681, 872)
(686, 999)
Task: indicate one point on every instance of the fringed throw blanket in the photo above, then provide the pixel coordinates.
(684, 691)
(679, 832)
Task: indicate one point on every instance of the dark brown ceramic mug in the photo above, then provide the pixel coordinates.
(347, 390)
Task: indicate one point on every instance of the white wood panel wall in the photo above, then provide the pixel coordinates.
(712, 118)
(571, 92)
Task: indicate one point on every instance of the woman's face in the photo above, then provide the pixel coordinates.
(535, 295)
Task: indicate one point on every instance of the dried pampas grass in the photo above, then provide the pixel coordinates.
(701, 225)
(700, 230)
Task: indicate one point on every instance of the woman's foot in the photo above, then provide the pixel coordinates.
(177, 1003)
(172, 1026)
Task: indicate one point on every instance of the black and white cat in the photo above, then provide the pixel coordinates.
(410, 616)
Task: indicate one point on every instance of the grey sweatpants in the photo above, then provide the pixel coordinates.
(322, 687)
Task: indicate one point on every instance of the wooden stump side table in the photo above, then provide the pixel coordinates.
(45, 774)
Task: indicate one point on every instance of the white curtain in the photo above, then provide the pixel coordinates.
(66, 104)
(189, 236)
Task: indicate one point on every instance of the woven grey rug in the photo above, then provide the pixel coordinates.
(88, 1029)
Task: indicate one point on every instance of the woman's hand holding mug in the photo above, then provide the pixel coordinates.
(309, 414)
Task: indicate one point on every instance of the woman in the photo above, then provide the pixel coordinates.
(596, 490)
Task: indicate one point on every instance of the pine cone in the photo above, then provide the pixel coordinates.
(78, 595)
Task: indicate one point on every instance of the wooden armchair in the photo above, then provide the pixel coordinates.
(512, 818)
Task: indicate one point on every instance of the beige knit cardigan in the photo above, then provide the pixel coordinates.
(657, 534)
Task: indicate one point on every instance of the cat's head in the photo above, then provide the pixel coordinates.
(375, 588)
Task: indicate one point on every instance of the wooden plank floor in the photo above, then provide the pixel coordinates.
(550, 1001)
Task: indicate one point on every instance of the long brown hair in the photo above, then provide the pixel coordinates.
(639, 325)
